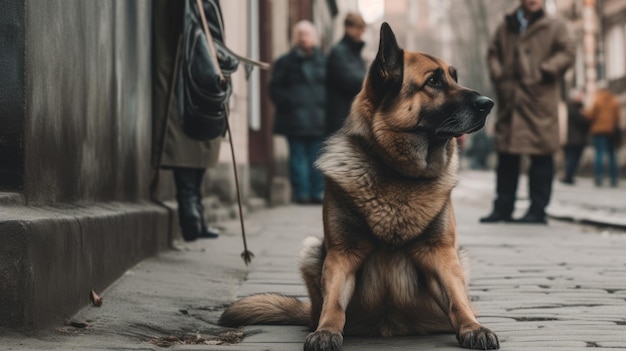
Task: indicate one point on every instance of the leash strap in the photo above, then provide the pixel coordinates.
(249, 61)
(245, 255)
(207, 32)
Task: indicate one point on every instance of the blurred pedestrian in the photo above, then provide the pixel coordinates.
(527, 58)
(298, 91)
(577, 135)
(479, 150)
(604, 129)
(345, 71)
(172, 149)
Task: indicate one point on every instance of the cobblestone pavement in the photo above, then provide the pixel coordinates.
(560, 287)
(582, 202)
(555, 287)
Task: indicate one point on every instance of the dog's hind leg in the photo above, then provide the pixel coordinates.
(311, 262)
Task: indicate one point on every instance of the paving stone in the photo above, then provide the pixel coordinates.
(275, 334)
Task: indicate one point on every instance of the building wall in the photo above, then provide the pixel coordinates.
(88, 118)
(610, 7)
(236, 27)
(281, 43)
(613, 19)
(613, 43)
(79, 127)
(12, 106)
(221, 179)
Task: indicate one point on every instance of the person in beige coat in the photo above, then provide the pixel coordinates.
(172, 149)
(527, 58)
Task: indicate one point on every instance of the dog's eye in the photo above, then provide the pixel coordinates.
(434, 81)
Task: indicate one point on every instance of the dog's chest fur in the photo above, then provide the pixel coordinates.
(396, 208)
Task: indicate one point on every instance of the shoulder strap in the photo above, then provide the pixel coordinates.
(209, 39)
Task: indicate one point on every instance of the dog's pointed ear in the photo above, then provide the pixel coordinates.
(385, 75)
(390, 56)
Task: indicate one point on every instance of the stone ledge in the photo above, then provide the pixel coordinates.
(51, 257)
(11, 199)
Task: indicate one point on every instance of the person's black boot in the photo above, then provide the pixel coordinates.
(188, 215)
(495, 217)
(206, 232)
(507, 175)
(540, 177)
(532, 218)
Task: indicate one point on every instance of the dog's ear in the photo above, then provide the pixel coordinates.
(387, 69)
(389, 53)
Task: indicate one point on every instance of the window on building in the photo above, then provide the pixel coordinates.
(579, 67)
(615, 55)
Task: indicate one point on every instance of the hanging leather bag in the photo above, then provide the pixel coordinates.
(204, 80)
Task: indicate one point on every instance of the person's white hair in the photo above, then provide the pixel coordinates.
(307, 26)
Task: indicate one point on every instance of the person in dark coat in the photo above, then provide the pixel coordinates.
(345, 71)
(479, 150)
(172, 149)
(527, 58)
(297, 89)
(577, 135)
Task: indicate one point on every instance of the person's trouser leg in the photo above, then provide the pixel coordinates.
(186, 195)
(578, 152)
(507, 175)
(573, 154)
(540, 178)
(298, 169)
(613, 163)
(206, 232)
(506, 183)
(599, 143)
(316, 177)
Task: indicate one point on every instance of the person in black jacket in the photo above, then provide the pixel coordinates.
(577, 135)
(297, 89)
(345, 71)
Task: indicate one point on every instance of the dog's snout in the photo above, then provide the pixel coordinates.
(483, 104)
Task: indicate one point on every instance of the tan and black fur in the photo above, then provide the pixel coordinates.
(389, 263)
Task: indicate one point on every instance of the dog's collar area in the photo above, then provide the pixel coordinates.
(446, 135)
(418, 129)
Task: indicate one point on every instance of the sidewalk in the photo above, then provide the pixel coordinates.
(581, 203)
(555, 287)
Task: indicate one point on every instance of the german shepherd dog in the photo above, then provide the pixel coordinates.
(389, 262)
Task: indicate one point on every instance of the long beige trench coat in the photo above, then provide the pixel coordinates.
(170, 146)
(526, 70)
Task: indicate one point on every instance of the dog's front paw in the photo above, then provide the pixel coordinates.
(479, 338)
(323, 340)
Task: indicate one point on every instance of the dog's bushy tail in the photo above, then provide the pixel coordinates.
(270, 308)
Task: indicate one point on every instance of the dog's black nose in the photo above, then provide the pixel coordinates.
(483, 104)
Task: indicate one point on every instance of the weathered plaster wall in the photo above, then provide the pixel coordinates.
(88, 117)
